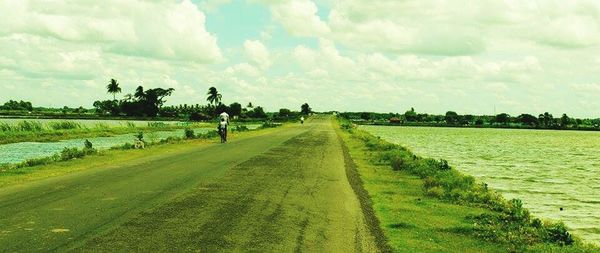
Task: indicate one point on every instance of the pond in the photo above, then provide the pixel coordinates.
(547, 169)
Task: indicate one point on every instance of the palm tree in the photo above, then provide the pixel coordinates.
(113, 88)
(213, 96)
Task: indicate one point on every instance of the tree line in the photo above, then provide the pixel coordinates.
(150, 103)
(411, 117)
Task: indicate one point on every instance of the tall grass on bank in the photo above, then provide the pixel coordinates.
(23, 126)
(508, 223)
(59, 130)
(64, 125)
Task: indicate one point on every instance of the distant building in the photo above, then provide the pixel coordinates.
(395, 120)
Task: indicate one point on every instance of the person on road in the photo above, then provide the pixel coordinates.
(225, 116)
(301, 119)
(222, 129)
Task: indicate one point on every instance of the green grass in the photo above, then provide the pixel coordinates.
(426, 206)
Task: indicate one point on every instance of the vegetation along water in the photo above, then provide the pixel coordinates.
(555, 173)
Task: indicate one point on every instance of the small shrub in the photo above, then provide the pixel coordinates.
(558, 233)
(397, 163)
(169, 140)
(189, 133)
(71, 153)
(269, 124)
(443, 165)
(347, 126)
(436, 192)
(241, 128)
(88, 144)
(125, 146)
(139, 136)
(130, 124)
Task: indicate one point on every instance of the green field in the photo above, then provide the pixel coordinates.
(547, 169)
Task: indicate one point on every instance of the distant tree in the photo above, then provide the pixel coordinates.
(139, 93)
(284, 113)
(479, 122)
(451, 118)
(154, 99)
(235, 109)
(503, 118)
(528, 119)
(305, 109)
(107, 106)
(113, 88)
(147, 102)
(468, 118)
(546, 119)
(213, 96)
(220, 108)
(258, 113)
(365, 115)
(17, 106)
(250, 105)
(410, 115)
(197, 116)
(564, 120)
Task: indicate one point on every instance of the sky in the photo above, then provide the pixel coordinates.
(472, 57)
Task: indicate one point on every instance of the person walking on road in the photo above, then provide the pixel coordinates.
(222, 127)
(225, 116)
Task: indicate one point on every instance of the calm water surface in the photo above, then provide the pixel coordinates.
(546, 169)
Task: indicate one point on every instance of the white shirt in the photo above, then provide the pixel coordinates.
(225, 116)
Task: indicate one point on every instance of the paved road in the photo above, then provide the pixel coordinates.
(282, 191)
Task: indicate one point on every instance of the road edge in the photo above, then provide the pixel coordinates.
(366, 204)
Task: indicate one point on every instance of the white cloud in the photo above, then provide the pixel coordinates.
(162, 29)
(257, 53)
(299, 17)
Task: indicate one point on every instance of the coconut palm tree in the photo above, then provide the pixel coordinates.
(213, 96)
(113, 88)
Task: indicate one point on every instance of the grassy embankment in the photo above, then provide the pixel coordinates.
(424, 205)
(70, 160)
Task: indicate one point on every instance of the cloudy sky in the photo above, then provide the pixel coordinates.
(358, 55)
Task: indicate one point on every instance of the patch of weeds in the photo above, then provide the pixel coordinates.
(401, 225)
(188, 133)
(64, 125)
(240, 128)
